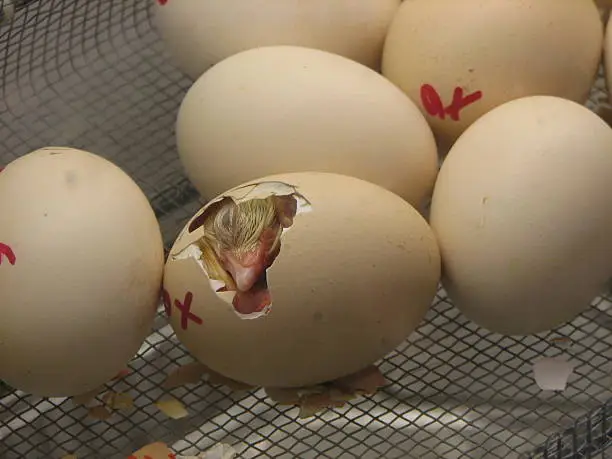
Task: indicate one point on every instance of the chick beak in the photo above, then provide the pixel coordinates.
(245, 270)
(249, 274)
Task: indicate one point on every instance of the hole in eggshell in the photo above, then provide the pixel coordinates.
(242, 234)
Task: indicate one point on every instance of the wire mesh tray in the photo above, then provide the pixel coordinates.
(94, 75)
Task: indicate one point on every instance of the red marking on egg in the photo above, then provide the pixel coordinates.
(6, 251)
(186, 314)
(433, 105)
(431, 100)
(167, 302)
(162, 2)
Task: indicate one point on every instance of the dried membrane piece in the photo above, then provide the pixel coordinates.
(100, 413)
(118, 400)
(312, 390)
(335, 394)
(215, 378)
(294, 396)
(368, 380)
(339, 396)
(562, 341)
(315, 403)
(172, 408)
(283, 396)
(86, 398)
(191, 373)
(123, 402)
(155, 450)
(107, 398)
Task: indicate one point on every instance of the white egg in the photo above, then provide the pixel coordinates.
(521, 210)
(283, 109)
(81, 263)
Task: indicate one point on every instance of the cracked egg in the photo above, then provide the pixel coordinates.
(300, 278)
(237, 237)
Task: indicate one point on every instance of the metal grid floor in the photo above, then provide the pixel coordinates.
(94, 75)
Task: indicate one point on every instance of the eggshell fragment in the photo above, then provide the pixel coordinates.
(191, 373)
(81, 262)
(521, 211)
(172, 408)
(198, 34)
(219, 451)
(366, 381)
(341, 271)
(552, 373)
(87, 397)
(460, 59)
(156, 450)
(220, 380)
(100, 413)
(118, 401)
(286, 109)
(335, 394)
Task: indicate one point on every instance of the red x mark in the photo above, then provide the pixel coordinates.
(186, 314)
(167, 302)
(435, 107)
(6, 251)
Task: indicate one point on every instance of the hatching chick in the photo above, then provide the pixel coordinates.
(241, 241)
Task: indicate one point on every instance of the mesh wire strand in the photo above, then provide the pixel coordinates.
(94, 75)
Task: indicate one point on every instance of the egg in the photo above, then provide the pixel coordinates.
(295, 279)
(81, 264)
(521, 211)
(459, 60)
(283, 109)
(199, 34)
